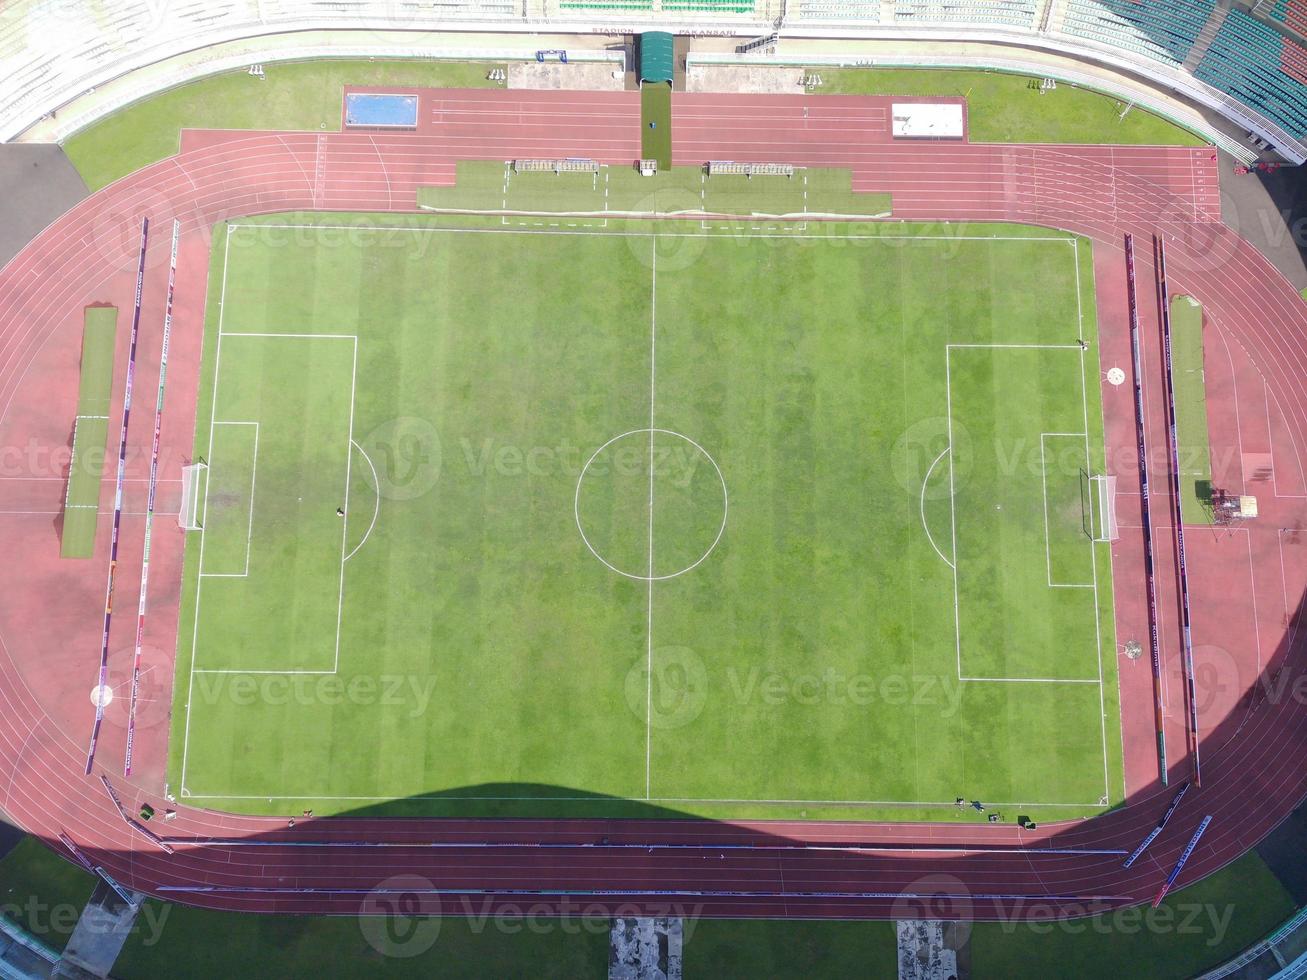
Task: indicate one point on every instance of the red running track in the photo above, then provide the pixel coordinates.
(1255, 766)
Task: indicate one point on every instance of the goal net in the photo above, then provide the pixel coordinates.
(1105, 527)
(195, 480)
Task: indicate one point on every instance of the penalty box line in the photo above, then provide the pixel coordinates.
(213, 422)
(957, 620)
(957, 615)
(340, 597)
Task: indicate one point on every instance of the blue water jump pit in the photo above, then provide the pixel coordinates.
(381, 111)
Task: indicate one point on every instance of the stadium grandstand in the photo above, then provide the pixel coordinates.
(1250, 67)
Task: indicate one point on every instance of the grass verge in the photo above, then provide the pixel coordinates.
(656, 123)
(1005, 108)
(779, 386)
(1194, 445)
(292, 96)
(42, 892)
(1194, 930)
(487, 186)
(82, 505)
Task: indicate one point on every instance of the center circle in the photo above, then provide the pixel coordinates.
(651, 504)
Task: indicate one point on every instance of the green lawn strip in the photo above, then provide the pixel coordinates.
(1110, 690)
(492, 627)
(1194, 929)
(485, 186)
(786, 388)
(484, 943)
(467, 651)
(292, 96)
(790, 950)
(1303, 293)
(43, 893)
(1005, 108)
(656, 123)
(1194, 445)
(81, 513)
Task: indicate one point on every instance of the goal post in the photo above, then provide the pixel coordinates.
(1104, 504)
(195, 481)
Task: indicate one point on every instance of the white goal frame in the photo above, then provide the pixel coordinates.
(190, 513)
(1105, 526)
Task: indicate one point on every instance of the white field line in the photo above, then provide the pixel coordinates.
(1043, 480)
(1093, 550)
(344, 524)
(213, 422)
(653, 375)
(724, 801)
(651, 234)
(376, 508)
(957, 619)
(249, 533)
(199, 580)
(926, 527)
(953, 502)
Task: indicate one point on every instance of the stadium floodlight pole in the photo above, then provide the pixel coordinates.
(1177, 517)
(149, 503)
(1150, 573)
(102, 685)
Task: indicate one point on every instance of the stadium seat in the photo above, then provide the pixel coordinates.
(1162, 31)
(1259, 66)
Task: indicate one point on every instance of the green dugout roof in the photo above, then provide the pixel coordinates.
(655, 56)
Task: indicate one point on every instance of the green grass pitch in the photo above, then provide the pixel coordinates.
(1193, 443)
(91, 432)
(647, 519)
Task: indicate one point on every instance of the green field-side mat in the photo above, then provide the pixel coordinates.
(90, 430)
(1003, 107)
(1193, 444)
(484, 186)
(656, 123)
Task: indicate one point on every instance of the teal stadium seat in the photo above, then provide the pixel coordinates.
(1261, 67)
(1291, 13)
(1161, 31)
(1014, 13)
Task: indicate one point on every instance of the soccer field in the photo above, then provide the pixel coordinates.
(733, 524)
